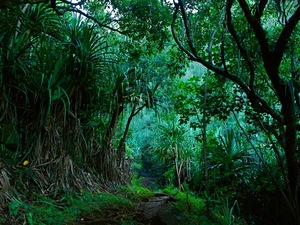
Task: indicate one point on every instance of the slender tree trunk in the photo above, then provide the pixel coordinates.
(124, 165)
(112, 126)
(290, 153)
(177, 167)
(204, 136)
(133, 113)
(178, 175)
(121, 147)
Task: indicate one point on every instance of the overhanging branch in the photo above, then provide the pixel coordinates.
(93, 19)
(284, 37)
(258, 31)
(243, 51)
(60, 10)
(260, 9)
(259, 104)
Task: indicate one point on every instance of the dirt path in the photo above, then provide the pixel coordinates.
(159, 211)
(156, 210)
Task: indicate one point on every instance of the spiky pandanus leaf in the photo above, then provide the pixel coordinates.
(48, 80)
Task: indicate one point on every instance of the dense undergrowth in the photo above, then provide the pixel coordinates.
(76, 207)
(194, 209)
(63, 209)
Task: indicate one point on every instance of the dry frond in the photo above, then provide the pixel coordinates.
(6, 190)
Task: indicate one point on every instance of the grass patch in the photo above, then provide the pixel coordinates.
(191, 206)
(193, 209)
(186, 201)
(71, 206)
(135, 191)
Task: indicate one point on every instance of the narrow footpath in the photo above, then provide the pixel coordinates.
(159, 211)
(156, 210)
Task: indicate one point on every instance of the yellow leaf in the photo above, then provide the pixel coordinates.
(26, 162)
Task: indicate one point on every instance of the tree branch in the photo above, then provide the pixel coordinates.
(267, 55)
(211, 43)
(223, 47)
(180, 45)
(73, 4)
(91, 18)
(187, 30)
(260, 9)
(258, 31)
(259, 104)
(284, 37)
(233, 33)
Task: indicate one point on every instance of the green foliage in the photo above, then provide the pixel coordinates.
(169, 174)
(46, 211)
(15, 207)
(194, 209)
(191, 206)
(175, 146)
(136, 166)
(193, 203)
(72, 205)
(171, 135)
(189, 102)
(141, 19)
(242, 50)
(226, 215)
(19, 209)
(135, 190)
(142, 134)
(51, 81)
(62, 78)
(231, 164)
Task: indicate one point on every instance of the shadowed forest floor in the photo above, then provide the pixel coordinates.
(155, 210)
(158, 210)
(133, 204)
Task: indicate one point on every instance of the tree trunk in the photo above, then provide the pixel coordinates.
(290, 148)
(106, 161)
(204, 136)
(205, 144)
(178, 167)
(132, 114)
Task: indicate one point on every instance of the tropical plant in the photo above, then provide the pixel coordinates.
(174, 146)
(231, 165)
(50, 67)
